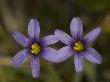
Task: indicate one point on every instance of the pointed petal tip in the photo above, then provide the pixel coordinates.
(14, 33)
(56, 31)
(35, 76)
(99, 29)
(99, 61)
(63, 37)
(13, 64)
(78, 71)
(33, 20)
(76, 18)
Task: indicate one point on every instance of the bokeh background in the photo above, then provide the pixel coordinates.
(53, 14)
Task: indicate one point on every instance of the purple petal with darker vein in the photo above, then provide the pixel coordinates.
(78, 60)
(51, 39)
(91, 36)
(93, 56)
(34, 29)
(76, 28)
(50, 54)
(64, 53)
(63, 37)
(21, 39)
(35, 66)
(20, 58)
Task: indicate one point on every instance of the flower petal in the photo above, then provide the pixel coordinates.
(33, 29)
(78, 60)
(51, 39)
(20, 58)
(35, 66)
(91, 36)
(64, 53)
(63, 37)
(76, 28)
(93, 56)
(50, 54)
(21, 39)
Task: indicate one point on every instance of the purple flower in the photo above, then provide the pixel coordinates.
(34, 48)
(78, 45)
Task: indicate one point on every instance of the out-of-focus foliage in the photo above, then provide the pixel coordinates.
(53, 14)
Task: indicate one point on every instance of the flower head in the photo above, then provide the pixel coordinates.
(78, 44)
(34, 47)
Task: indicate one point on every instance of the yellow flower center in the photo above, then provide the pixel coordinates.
(35, 48)
(78, 46)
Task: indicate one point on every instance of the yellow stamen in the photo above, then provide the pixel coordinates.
(35, 48)
(78, 46)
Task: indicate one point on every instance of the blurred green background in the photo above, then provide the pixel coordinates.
(53, 14)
